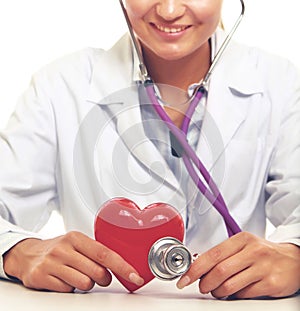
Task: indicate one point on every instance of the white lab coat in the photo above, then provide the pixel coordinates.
(67, 147)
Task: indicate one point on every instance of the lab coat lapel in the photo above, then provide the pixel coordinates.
(230, 91)
(223, 117)
(131, 130)
(121, 101)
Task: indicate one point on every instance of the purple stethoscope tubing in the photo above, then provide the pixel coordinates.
(189, 156)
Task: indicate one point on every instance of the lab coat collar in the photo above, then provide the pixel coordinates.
(119, 69)
(112, 72)
(237, 66)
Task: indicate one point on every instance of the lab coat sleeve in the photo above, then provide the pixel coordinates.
(283, 187)
(27, 168)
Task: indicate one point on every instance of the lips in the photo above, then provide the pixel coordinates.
(174, 29)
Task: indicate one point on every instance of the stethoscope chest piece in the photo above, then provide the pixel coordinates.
(168, 258)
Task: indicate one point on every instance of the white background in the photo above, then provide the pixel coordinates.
(35, 32)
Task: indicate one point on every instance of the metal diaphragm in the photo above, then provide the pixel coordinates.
(168, 258)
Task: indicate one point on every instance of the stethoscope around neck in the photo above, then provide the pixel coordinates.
(162, 249)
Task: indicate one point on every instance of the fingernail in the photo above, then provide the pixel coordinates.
(136, 279)
(183, 282)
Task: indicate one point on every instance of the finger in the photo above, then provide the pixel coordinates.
(225, 270)
(206, 261)
(94, 271)
(267, 286)
(253, 290)
(236, 283)
(104, 256)
(57, 285)
(50, 283)
(73, 277)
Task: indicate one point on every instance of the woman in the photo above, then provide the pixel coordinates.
(258, 156)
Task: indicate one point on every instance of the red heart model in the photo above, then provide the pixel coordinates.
(123, 227)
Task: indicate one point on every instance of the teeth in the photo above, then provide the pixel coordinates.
(170, 30)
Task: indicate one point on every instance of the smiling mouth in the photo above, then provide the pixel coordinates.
(170, 29)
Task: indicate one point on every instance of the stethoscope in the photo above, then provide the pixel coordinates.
(169, 258)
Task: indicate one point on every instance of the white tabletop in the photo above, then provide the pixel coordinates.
(157, 295)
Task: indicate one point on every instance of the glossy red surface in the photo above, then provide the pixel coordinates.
(130, 231)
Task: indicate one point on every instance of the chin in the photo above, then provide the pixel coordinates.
(171, 52)
(171, 55)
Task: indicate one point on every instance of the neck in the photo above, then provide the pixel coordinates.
(178, 73)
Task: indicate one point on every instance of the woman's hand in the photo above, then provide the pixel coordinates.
(246, 266)
(65, 263)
